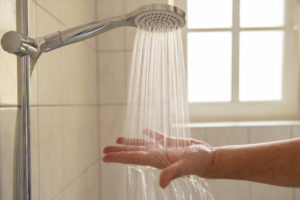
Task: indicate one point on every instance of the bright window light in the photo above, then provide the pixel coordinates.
(262, 13)
(209, 13)
(261, 61)
(209, 71)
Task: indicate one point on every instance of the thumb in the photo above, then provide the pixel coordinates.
(172, 172)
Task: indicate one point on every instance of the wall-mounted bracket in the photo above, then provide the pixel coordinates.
(18, 44)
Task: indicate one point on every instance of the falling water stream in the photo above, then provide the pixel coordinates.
(157, 100)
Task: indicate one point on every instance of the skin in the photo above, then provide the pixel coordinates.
(276, 163)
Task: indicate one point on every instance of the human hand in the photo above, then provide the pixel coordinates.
(176, 157)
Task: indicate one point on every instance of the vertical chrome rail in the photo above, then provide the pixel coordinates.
(23, 173)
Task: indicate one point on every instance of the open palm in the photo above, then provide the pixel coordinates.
(176, 156)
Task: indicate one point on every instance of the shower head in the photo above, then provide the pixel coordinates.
(152, 17)
(157, 16)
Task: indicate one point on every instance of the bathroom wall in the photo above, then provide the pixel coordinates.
(8, 101)
(114, 57)
(64, 98)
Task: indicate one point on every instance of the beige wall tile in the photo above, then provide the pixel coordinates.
(79, 75)
(296, 134)
(51, 151)
(128, 58)
(80, 140)
(86, 186)
(88, 137)
(59, 196)
(112, 81)
(111, 123)
(112, 175)
(71, 13)
(71, 166)
(267, 134)
(130, 36)
(114, 39)
(199, 134)
(8, 65)
(72, 192)
(90, 183)
(267, 192)
(219, 188)
(49, 67)
(297, 194)
(67, 75)
(226, 136)
(8, 119)
(296, 131)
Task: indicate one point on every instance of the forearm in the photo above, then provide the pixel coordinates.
(275, 163)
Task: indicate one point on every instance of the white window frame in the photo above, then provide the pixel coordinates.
(285, 109)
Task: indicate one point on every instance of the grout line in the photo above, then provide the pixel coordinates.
(249, 183)
(3, 106)
(64, 105)
(98, 106)
(78, 176)
(291, 131)
(75, 105)
(294, 194)
(38, 143)
(114, 51)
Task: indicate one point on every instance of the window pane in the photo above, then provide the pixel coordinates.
(261, 65)
(209, 13)
(258, 13)
(209, 66)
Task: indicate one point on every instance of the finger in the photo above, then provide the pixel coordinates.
(157, 136)
(136, 158)
(172, 172)
(167, 140)
(132, 141)
(192, 141)
(112, 149)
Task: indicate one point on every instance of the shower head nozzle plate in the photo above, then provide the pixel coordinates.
(159, 16)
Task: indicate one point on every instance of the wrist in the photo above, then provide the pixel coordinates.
(212, 163)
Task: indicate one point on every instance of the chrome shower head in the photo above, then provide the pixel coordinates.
(157, 16)
(152, 17)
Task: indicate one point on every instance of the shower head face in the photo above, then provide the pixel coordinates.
(159, 17)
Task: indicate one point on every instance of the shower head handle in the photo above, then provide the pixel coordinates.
(153, 15)
(79, 33)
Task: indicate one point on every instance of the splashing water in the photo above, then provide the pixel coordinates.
(157, 100)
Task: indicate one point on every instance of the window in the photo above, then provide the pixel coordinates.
(242, 60)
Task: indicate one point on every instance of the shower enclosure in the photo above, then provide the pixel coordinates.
(57, 143)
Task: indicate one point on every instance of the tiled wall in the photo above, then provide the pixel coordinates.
(8, 101)
(64, 98)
